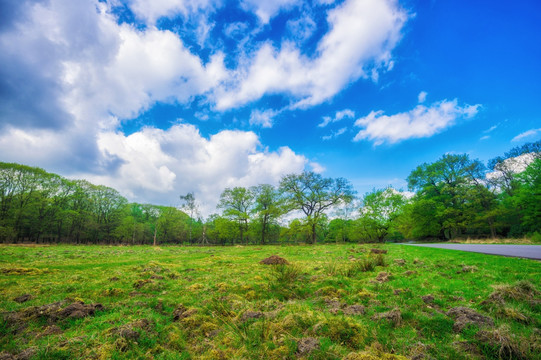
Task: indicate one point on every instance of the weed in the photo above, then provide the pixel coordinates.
(285, 275)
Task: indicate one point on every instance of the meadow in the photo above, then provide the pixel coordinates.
(328, 302)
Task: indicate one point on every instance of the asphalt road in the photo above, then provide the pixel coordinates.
(523, 251)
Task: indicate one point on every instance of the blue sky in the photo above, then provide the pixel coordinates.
(159, 98)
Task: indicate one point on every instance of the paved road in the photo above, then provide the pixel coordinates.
(523, 251)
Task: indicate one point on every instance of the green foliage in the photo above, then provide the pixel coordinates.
(314, 195)
(455, 199)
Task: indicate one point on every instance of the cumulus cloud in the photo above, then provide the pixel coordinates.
(71, 73)
(526, 134)
(359, 43)
(420, 122)
(158, 165)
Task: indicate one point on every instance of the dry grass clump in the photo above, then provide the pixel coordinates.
(522, 290)
(502, 343)
(374, 352)
(274, 260)
(23, 271)
(394, 316)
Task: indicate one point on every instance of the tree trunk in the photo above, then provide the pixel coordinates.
(313, 233)
(155, 230)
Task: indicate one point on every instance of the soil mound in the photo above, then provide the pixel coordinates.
(307, 345)
(378, 251)
(394, 316)
(274, 260)
(23, 298)
(181, 312)
(52, 313)
(465, 316)
(251, 315)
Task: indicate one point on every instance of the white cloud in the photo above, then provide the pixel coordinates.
(263, 118)
(266, 10)
(334, 134)
(486, 137)
(422, 97)
(343, 114)
(362, 35)
(420, 122)
(492, 128)
(317, 168)
(526, 134)
(302, 29)
(150, 11)
(159, 165)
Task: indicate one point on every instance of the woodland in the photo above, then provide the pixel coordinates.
(455, 197)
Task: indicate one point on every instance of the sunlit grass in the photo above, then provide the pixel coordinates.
(331, 302)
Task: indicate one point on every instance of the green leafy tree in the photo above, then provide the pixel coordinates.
(314, 195)
(269, 206)
(444, 187)
(237, 204)
(378, 212)
(190, 207)
(528, 197)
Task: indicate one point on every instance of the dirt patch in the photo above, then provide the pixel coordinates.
(23, 355)
(400, 262)
(52, 313)
(51, 330)
(394, 316)
(248, 315)
(307, 345)
(382, 277)
(468, 269)
(378, 251)
(274, 260)
(23, 298)
(354, 310)
(181, 312)
(79, 310)
(410, 273)
(114, 278)
(141, 282)
(428, 299)
(22, 271)
(464, 316)
(129, 331)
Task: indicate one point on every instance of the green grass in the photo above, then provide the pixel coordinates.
(232, 307)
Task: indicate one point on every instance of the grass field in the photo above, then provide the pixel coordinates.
(330, 302)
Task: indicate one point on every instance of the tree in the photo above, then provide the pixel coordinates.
(445, 188)
(379, 210)
(504, 168)
(314, 195)
(268, 207)
(191, 208)
(529, 197)
(236, 204)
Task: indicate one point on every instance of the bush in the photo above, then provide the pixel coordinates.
(536, 237)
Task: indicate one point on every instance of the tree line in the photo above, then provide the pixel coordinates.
(453, 197)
